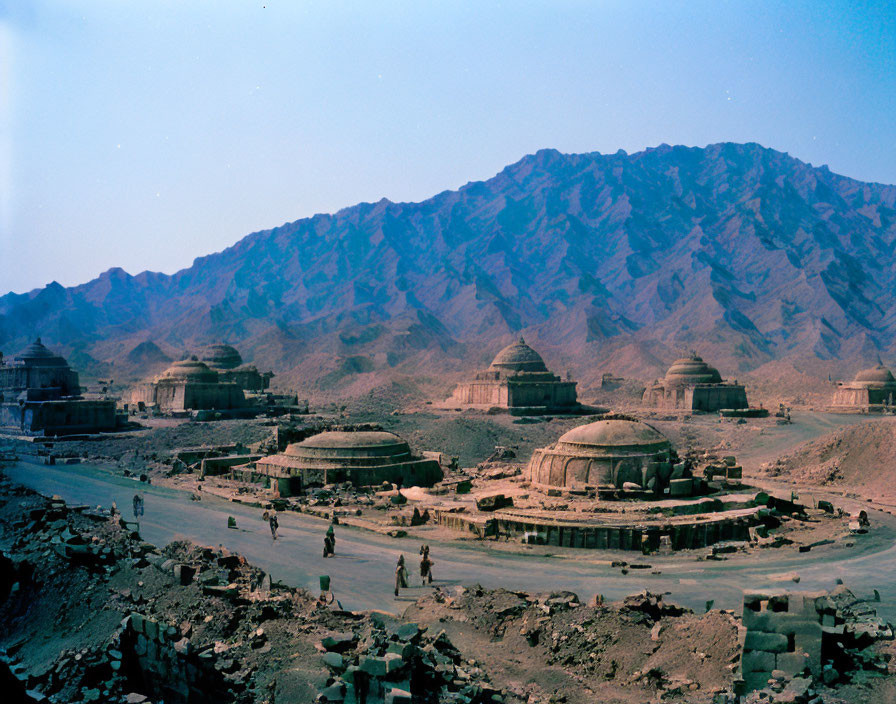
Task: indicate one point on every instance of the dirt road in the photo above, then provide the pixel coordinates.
(363, 570)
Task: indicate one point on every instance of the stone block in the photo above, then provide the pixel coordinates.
(377, 667)
(151, 629)
(167, 566)
(757, 661)
(394, 662)
(681, 487)
(184, 574)
(137, 622)
(771, 642)
(334, 661)
(756, 680)
(792, 663)
(338, 641)
(398, 696)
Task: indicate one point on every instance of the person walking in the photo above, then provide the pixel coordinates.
(138, 506)
(401, 575)
(425, 565)
(274, 522)
(331, 534)
(329, 548)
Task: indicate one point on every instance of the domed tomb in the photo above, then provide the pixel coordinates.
(518, 380)
(610, 454)
(189, 385)
(221, 357)
(364, 458)
(191, 370)
(872, 390)
(40, 394)
(228, 362)
(692, 384)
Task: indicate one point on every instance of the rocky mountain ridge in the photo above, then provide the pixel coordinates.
(605, 262)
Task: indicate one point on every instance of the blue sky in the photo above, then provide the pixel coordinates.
(145, 134)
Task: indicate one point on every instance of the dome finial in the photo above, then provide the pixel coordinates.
(522, 341)
(880, 362)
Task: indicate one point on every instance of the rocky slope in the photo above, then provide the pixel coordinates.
(605, 262)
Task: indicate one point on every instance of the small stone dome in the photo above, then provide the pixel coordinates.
(878, 376)
(221, 357)
(191, 370)
(371, 447)
(692, 370)
(37, 354)
(614, 434)
(519, 357)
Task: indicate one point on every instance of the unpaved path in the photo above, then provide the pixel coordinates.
(363, 571)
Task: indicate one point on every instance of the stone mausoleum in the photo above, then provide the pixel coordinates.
(873, 390)
(518, 380)
(189, 385)
(364, 458)
(691, 384)
(40, 394)
(612, 455)
(228, 363)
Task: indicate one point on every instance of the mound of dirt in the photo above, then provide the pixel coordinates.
(859, 457)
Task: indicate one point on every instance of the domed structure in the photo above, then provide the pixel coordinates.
(189, 385)
(692, 384)
(877, 377)
(518, 357)
(40, 393)
(191, 370)
(613, 454)
(228, 362)
(519, 381)
(365, 458)
(872, 390)
(221, 357)
(692, 370)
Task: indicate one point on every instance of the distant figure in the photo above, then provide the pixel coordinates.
(332, 535)
(401, 575)
(425, 565)
(138, 506)
(113, 510)
(274, 522)
(329, 546)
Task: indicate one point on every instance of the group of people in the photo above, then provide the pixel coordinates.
(401, 571)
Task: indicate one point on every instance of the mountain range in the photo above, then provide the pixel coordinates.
(604, 262)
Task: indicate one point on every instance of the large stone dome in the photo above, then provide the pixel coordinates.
(614, 434)
(341, 447)
(877, 376)
(609, 453)
(190, 370)
(519, 357)
(221, 357)
(692, 370)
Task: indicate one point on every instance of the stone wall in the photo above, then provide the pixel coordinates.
(59, 417)
(162, 659)
(783, 633)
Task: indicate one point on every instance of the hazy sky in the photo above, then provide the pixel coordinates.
(145, 134)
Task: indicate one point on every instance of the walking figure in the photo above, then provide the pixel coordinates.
(274, 522)
(425, 565)
(138, 506)
(401, 575)
(329, 547)
(331, 534)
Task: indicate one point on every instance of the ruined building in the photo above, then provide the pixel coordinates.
(518, 380)
(40, 394)
(228, 363)
(364, 458)
(872, 390)
(692, 385)
(611, 455)
(189, 385)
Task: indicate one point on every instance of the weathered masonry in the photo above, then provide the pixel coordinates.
(873, 390)
(519, 381)
(691, 384)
